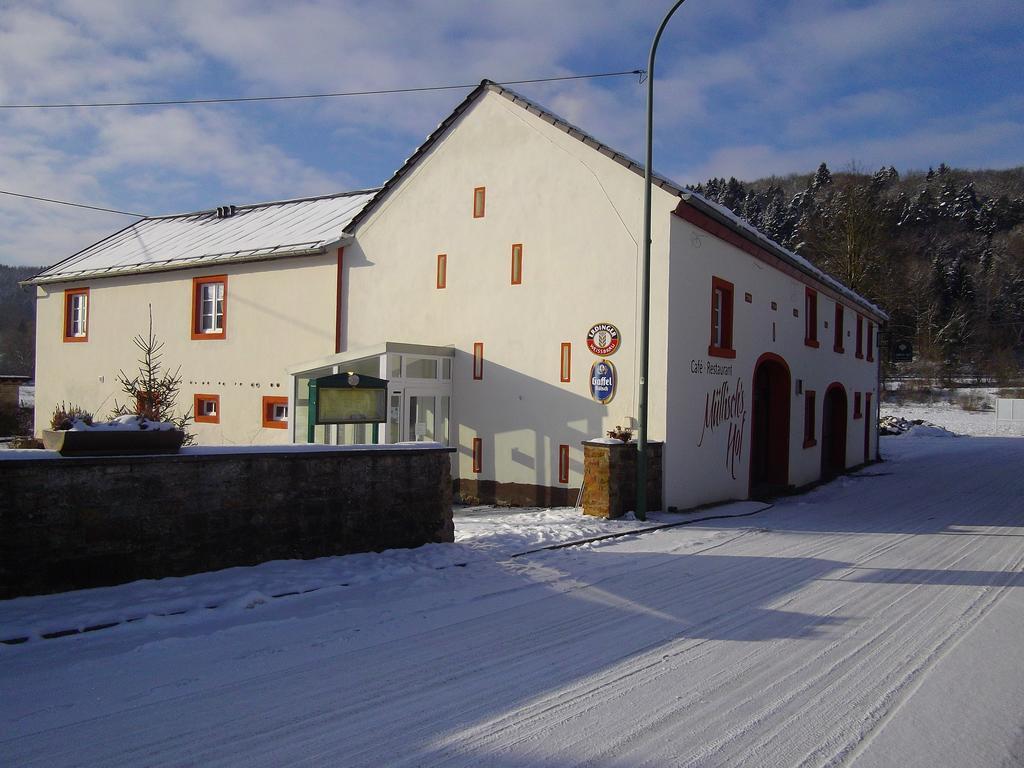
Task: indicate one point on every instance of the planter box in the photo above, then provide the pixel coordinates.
(112, 442)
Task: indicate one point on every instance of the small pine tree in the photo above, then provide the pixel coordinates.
(153, 392)
(822, 177)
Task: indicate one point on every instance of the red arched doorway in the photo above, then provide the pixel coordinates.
(769, 426)
(833, 431)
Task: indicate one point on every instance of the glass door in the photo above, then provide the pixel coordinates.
(426, 416)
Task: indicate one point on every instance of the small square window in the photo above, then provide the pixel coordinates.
(209, 307)
(76, 314)
(479, 200)
(721, 318)
(206, 409)
(275, 412)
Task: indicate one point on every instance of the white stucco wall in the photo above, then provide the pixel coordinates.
(699, 473)
(578, 215)
(278, 313)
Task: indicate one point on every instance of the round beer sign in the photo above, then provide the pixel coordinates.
(603, 339)
(602, 381)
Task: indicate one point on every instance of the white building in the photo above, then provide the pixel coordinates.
(470, 281)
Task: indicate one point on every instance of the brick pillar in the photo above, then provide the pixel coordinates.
(609, 477)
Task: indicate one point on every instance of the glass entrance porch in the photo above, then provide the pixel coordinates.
(419, 395)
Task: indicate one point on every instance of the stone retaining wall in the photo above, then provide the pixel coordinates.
(71, 523)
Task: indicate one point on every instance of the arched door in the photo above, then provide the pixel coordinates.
(833, 432)
(769, 426)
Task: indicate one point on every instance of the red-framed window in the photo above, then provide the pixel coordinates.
(860, 337)
(565, 373)
(479, 202)
(809, 419)
(837, 345)
(563, 463)
(811, 317)
(275, 412)
(517, 264)
(210, 307)
(206, 409)
(478, 454)
(478, 361)
(442, 270)
(857, 412)
(871, 342)
(721, 318)
(76, 314)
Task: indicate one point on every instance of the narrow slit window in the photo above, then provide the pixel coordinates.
(860, 337)
(871, 342)
(811, 317)
(837, 345)
(517, 264)
(478, 454)
(442, 270)
(563, 463)
(809, 414)
(479, 201)
(857, 412)
(478, 361)
(566, 362)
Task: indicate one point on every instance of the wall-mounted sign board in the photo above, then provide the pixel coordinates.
(603, 339)
(349, 398)
(602, 381)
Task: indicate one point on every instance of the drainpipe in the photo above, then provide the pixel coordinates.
(645, 280)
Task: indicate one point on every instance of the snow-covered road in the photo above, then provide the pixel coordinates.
(876, 621)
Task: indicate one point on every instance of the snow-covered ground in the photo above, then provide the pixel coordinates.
(875, 621)
(956, 419)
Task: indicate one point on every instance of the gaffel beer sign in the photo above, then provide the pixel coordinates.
(602, 381)
(603, 339)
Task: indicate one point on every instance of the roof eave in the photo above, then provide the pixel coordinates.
(174, 266)
(773, 248)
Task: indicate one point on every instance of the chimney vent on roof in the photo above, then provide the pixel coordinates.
(226, 211)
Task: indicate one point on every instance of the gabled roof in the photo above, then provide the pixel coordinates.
(252, 233)
(714, 210)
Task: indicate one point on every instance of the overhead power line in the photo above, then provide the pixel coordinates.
(293, 97)
(74, 205)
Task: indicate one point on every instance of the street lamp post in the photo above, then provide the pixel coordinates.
(645, 279)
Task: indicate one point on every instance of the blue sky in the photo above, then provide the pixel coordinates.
(744, 87)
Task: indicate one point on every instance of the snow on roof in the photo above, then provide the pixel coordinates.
(252, 232)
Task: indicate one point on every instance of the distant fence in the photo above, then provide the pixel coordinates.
(1010, 409)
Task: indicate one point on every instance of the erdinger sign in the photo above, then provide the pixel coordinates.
(603, 339)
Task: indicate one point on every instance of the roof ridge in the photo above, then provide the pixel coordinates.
(250, 206)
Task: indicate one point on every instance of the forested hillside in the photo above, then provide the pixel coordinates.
(942, 252)
(17, 322)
